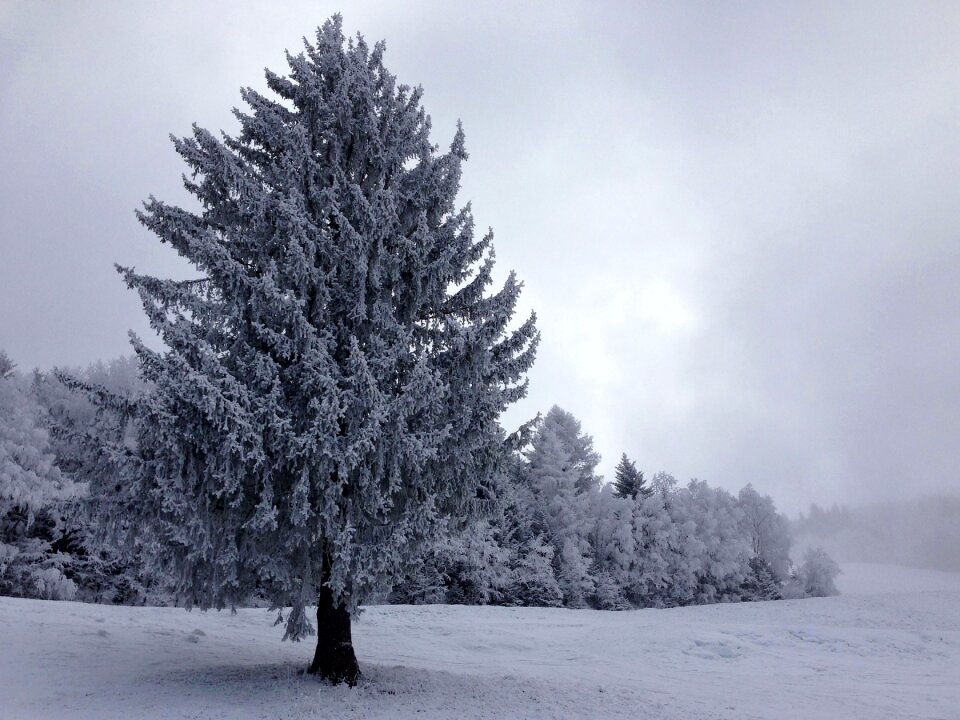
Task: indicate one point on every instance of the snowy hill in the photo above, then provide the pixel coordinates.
(870, 654)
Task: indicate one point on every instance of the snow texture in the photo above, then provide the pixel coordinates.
(869, 654)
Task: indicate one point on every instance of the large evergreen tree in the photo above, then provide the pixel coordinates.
(332, 381)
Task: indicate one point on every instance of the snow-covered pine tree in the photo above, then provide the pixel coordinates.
(628, 481)
(332, 380)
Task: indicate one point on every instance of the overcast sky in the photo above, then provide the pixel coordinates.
(738, 223)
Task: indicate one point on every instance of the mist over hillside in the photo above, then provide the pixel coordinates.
(923, 532)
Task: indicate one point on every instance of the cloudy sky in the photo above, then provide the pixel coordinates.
(739, 223)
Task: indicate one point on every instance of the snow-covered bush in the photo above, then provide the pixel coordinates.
(32, 489)
(474, 565)
(96, 558)
(574, 577)
(29, 477)
(608, 594)
(762, 583)
(816, 575)
(422, 584)
(533, 582)
(8, 554)
(50, 583)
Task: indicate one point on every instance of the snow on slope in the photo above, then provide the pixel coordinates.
(880, 657)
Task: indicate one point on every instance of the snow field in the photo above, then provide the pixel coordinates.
(877, 656)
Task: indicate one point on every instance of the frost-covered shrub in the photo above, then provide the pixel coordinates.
(29, 478)
(102, 576)
(690, 546)
(104, 566)
(32, 489)
(762, 583)
(656, 539)
(533, 582)
(576, 582)
(423, 584)
(32, 569)
(816, 574)
(608, 594)
(8, 553)
(51, 584)
(474, 566)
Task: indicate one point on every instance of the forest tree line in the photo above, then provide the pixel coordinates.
(544, 530)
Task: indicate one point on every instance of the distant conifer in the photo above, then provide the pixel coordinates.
(628, 481)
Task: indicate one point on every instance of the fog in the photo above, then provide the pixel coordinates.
(738, 224)
(918, 533)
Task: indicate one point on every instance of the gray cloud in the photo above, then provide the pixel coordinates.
(737, 223)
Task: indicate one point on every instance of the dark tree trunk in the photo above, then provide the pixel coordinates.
(334, 660)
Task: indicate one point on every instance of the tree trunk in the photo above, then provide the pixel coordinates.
(334, 659)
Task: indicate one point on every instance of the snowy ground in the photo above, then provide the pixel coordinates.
(871, 654)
